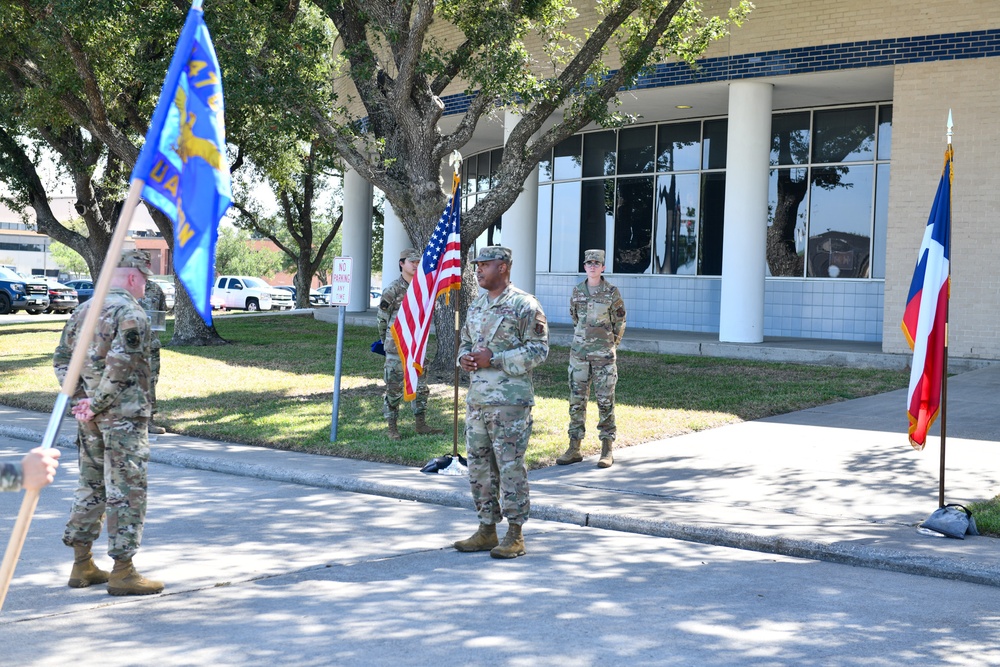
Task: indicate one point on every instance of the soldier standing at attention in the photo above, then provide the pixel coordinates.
(36, 470)
(154, 299)
(388, 307)
(598, 314)
(112, 407)
(504, 337)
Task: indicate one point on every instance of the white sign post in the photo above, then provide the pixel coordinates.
(340, 295)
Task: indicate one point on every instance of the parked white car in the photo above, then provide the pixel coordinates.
(248, 293)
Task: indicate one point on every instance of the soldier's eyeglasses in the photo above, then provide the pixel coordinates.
(591, 263)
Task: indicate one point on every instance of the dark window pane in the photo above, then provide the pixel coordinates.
(675, 233)
(493, 233)
(567, 158)
(844, 135)
(566, 224)
(545, 167)
(599, 154)
(713, 213)
(715, 143)
(790, 138)
(472, 178)
(633, 225)
(495, 157)
(840, 222)
(786, 221)
(678, 147)
(881, 220)
(636, 152)
(483, 184)
(544, 238)
(597, 216)
(885, 132)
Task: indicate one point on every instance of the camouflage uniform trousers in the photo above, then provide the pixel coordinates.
(394, 388)
(114, 456)
(604, 375)
(496, 439)
(154, 374)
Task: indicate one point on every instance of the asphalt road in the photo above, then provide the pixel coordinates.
(260, 572)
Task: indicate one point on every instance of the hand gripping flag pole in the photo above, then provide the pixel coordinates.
(182, 171)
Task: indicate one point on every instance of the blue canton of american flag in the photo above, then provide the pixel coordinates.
(440, 271)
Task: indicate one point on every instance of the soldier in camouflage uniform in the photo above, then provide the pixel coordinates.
(154, 299)
(36, 470)
(504, 337)
(112, 407)
(392, 299)
(598, 314)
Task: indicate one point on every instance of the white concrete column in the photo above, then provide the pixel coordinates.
(357, 237)
(520, 224)
(741, 314)
(394, 241)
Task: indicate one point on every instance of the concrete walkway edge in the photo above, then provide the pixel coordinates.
(863, 555)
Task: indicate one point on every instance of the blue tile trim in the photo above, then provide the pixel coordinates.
(805, 60)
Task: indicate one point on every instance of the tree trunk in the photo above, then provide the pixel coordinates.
(189, 329)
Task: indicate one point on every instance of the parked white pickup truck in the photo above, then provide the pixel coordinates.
(248, 293)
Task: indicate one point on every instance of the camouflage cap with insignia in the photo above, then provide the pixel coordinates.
(136, 259)
(410, 253)
(493, 252)
(593, 256)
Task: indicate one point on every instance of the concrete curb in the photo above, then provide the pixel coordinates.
(846, 554)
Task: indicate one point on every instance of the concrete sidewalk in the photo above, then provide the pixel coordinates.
(835, 483)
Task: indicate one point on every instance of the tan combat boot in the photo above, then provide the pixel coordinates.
(156, 430)
(484, 539)
(512, 545)
(607, 458)
(423, 428)
(392, 431)
(85, 571)
(125, 580)
(571, 455)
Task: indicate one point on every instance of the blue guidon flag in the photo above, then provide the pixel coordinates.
(183, 163)
(925, 319)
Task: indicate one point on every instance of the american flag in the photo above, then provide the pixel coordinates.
(439, 272)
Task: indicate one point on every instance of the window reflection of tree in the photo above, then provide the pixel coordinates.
(832, 143)
(633, 225)
(667, 257)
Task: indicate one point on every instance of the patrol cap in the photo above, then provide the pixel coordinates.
(493, 252)
(136, 259)
(410, 253)
(593, 256)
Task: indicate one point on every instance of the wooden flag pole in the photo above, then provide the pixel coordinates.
(69, 384)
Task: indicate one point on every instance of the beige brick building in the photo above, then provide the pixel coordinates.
(782, 190)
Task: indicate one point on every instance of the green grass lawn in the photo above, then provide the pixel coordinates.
(273, 387)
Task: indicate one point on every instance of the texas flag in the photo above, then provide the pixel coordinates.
(925, 319)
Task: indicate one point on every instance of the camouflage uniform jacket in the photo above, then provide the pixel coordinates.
(392, 299)
(514, 328)
(116, 372)
(598, 321)
(10, 477)
(155, 299)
